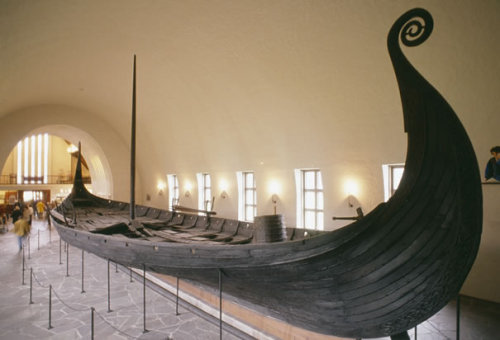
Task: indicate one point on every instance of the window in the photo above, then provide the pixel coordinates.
(173, 190)
(392, 176)
(204, 192)
(247, 202)
(310, 205)
(32, 159)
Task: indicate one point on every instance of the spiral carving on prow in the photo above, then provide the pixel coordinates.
(417, 27)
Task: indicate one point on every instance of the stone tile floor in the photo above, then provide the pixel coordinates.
(71, 309)
(71, 312)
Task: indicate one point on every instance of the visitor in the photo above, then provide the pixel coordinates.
(22, 229)
(493, 166)
(17, 213)
(40, 208)
(28, 213)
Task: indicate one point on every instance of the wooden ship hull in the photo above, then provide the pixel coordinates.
(378, 276)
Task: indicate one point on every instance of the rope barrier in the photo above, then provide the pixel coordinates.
(78, 309)
(112, 326)
(37, 281)
(64, 303)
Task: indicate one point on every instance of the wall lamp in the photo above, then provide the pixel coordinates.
(274, 199)
(351, 189)
(223, 185)
(188, 188)
(161, 186)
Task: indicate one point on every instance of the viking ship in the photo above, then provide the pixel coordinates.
(378, 276)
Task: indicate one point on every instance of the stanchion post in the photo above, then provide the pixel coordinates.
(29, 247)
(67, 260)
(60, 251)
(116, 267)
(220, 303)
(22, 246)
(458, 317)
(177, 298)
(92, 323)
(50, 306)
(31, 286)
(144, 297)
(38, 239)
(83, 271)
(131, 275)
(415, 333)
(109, 292)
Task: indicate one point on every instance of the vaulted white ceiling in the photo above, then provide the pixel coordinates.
(237, 84)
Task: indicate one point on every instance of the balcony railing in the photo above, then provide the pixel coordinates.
(51, 179)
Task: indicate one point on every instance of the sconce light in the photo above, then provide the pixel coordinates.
(274, 199)
(350, 201)
(188, 189)
(161, 186)
(223, 188)
(351, 189)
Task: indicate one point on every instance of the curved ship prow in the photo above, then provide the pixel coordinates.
(379, 276)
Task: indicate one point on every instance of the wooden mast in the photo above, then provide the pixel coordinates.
(132, 151)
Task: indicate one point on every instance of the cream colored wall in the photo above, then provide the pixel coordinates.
(268, 86)
(483, 281)
(336, 109)
(10, 165)
(60, 159)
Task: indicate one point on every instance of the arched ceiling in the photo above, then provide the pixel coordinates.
(244, 82)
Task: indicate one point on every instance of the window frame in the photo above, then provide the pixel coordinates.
(388, 171)
(243, 189)
(204, 191)
(317, 191)
(173, 190)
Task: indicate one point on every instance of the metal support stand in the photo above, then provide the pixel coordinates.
(220, 303)
(109, 291)
(415, 333)
(38, 239)
(67, 260)
(83, 263)
(177, 299)
(144, 297)
(23, 263)
(50, 307)
(116, 267)
(29, 247)
(458, 317)
(131, 275)
(60, 251)
(92, 323)
(400, 336)
(31, 286)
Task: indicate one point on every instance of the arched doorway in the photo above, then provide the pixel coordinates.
(96, 162)
(100, 171)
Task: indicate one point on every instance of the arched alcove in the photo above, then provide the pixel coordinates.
(102, 147)
(100, 171)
